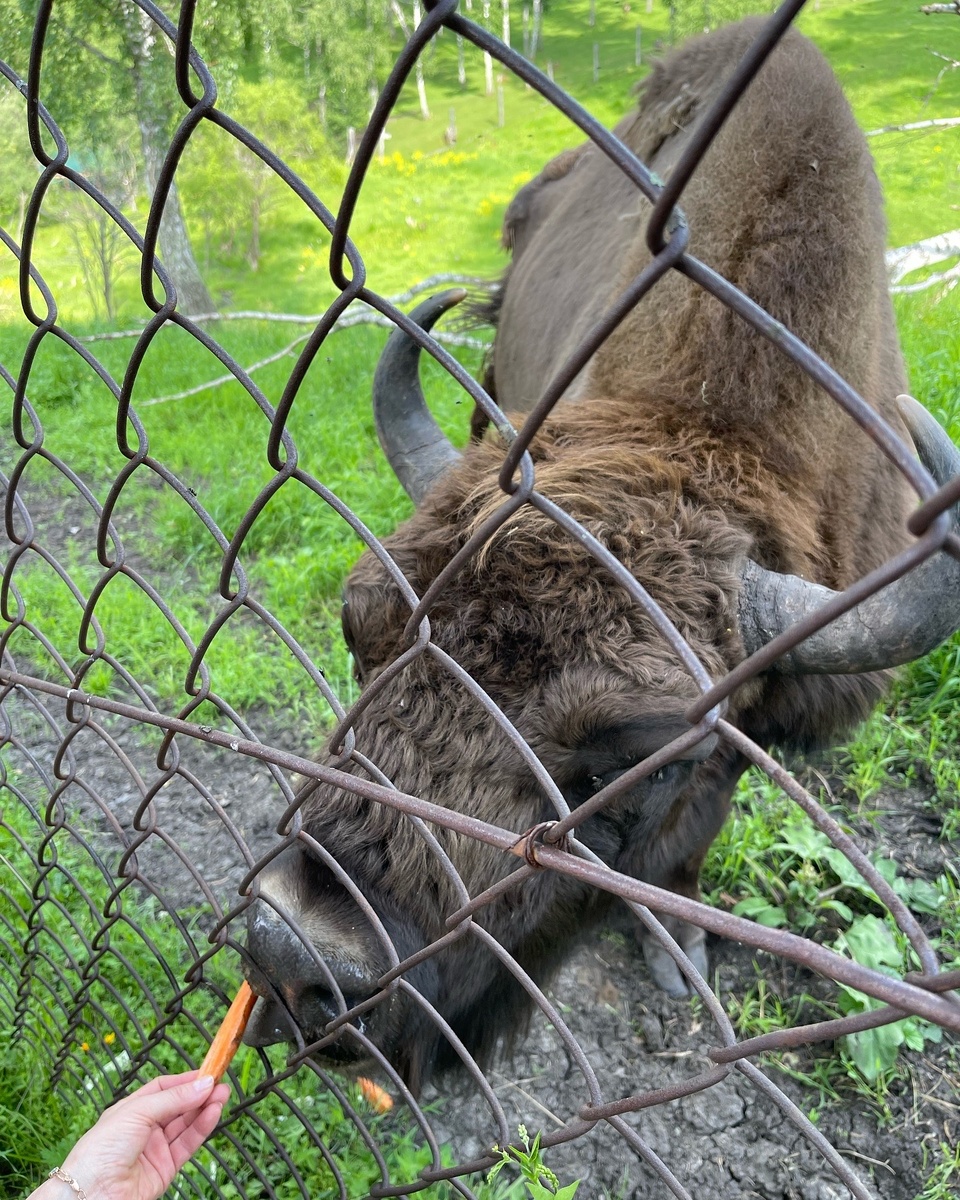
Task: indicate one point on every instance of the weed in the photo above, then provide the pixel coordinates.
(767, 861)
(874, 1052)
(540, 1182)
(943, 1182)
(788, 874)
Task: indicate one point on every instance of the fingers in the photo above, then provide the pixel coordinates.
(173, 1129)
(159, 1084)
(195, 1133)
(163, 1082)
(167, 1097)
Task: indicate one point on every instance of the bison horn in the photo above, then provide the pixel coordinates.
(413, 442)
(902, 621)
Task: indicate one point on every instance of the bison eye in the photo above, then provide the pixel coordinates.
(670, 775)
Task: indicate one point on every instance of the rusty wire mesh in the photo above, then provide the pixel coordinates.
(92, 878)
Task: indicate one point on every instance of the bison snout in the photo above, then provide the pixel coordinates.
(269, 1023)
(312, 955)
(272, 1021)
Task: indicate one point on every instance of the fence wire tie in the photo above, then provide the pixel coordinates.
(528, 843)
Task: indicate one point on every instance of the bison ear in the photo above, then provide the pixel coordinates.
(372, 617)
(348, 620)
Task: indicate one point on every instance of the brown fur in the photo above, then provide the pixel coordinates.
(686, 445)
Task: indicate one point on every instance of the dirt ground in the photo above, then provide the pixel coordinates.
(723, 1144)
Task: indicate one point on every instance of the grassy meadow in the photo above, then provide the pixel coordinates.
(429, 207)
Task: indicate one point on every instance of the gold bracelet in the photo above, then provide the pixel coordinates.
(61, 1174)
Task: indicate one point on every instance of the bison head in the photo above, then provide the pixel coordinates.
(581, 689)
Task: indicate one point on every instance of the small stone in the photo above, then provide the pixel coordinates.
(652, 1031)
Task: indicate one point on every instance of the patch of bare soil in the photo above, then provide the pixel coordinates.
(727, 1142)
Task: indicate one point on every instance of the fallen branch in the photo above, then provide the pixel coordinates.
(222, 379)
(906, 259)
(950, 278)
(929, 9)
(425, 285)
(364, 317)
(942, 121)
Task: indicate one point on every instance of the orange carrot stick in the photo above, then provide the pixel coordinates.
(227, 1041)
(379, 1100)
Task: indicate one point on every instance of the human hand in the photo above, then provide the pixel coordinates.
(141, 1142)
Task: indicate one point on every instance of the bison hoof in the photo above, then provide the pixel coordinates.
(665, 972)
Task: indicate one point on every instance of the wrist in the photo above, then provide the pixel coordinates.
(78, 1178)
(54, 1189)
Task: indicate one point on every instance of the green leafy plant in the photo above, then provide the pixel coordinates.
(540, 1182)
(811, 876)
(771, 864)
(874, 1051)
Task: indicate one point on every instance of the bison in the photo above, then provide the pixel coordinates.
(725, 480)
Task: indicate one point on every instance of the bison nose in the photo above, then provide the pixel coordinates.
(310, 1009)
(269, 1023)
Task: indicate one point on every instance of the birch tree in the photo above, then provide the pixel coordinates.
(150, 70)
(408, 25)
(109, 72)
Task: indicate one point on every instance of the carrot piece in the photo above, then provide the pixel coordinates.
(227, 1040)
(379, 1100)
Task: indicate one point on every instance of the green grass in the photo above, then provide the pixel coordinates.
(944, 1180)
(424, 208)
(298, 551)
(915, 738)
(770, 864)
(427, 208)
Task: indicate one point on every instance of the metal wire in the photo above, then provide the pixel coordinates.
(96, 868)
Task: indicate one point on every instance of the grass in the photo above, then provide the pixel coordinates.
(425, 208)
(298, 551)
(944, 1179)
(771, 865)
(406, 226)
(915, 737)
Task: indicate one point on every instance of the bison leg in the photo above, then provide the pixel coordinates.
(663, 970)
(697, 824)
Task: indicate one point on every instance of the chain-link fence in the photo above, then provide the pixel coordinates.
(138, 836)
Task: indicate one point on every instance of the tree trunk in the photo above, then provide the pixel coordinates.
(153, 109)
(418, 70)
(106, 249)
(535, 32)
(487, 60)
(422, 92)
